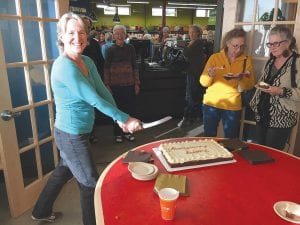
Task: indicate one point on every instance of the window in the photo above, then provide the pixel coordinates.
(201, 13)
(125, 11)
(169, 12)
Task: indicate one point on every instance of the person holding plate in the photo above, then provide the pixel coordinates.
(226, 74)
(278, 90)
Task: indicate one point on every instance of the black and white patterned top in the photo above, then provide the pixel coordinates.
(278, 111)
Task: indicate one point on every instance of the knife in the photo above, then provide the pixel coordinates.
(156, 122)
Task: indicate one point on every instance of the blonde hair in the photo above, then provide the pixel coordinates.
(62, 27)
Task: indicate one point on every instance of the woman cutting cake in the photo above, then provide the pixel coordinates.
(274, 101)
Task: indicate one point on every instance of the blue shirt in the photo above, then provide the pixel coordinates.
(105, 47)
(76, 95)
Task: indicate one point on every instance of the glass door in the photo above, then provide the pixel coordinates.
(257, 17)
(27, 51)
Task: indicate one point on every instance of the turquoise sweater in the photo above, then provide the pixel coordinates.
(76, 95)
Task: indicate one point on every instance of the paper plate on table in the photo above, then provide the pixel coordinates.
(281, 209)
(143, 171)
(141, 168)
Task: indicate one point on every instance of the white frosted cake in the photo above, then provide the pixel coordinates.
(194, 152)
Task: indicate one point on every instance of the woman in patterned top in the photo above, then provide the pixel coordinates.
(275, 107)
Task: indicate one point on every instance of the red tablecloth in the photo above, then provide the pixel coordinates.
(230, 194)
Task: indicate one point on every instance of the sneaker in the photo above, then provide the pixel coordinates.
(129, 137)
(52, 218)
(119, 139)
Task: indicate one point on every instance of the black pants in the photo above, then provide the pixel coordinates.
(125, 98)
(193, 97)
(272, 137)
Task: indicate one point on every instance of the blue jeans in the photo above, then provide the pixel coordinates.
(76, 160)
(230, 119)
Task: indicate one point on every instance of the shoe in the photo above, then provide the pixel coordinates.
(184, 122)
(52, 218)
(129, 137)
(119, 139)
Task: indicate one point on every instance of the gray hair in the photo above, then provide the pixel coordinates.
(286, 34)
(196, 28)
(166, 30)
(62, 27)
(119, 27)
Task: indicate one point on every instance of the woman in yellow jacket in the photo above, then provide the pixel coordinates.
(226, 74)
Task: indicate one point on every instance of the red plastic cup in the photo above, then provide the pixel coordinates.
(168, 198)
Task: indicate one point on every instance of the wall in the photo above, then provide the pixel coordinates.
(141, 16)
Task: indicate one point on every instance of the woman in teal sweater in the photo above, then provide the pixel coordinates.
(77, 90)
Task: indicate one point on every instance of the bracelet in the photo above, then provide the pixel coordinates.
(283, 93)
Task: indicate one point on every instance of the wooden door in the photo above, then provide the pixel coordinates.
(27, 50)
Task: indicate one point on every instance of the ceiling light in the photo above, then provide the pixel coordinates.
(101, 6)
(192, 4)
(137, 2)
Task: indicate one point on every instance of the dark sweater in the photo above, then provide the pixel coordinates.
(120, 68)
(196, 57)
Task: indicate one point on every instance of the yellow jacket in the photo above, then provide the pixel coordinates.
(222, 93)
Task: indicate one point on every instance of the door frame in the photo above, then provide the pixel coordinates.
(21, 198)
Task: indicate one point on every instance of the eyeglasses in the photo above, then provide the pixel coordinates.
(238, 46)
(274, 44)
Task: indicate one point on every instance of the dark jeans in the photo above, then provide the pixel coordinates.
(193, 97)
(230, 119)
(272, 137)
(76, 160)
(125, 99)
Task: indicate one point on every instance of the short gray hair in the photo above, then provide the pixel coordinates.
(119, 27)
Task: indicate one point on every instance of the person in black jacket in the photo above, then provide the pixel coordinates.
(196, 57)
(93, 51)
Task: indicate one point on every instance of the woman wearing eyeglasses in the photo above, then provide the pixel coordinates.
(225, 75)
(275, 106)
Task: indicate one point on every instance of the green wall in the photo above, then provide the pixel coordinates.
(141, 16)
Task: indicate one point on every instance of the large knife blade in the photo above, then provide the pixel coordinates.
(156, 122)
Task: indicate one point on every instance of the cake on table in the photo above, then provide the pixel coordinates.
(194, 152)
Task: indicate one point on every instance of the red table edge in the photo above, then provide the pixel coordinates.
(97, 195)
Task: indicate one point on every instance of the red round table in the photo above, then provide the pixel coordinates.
(231, 194)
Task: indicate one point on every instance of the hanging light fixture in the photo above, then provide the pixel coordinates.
(116, 18)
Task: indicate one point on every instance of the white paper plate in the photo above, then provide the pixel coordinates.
(141, 168)
(280, 210)
(170, 169)
(148, 176)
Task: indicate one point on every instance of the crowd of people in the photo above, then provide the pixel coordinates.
(95, 72)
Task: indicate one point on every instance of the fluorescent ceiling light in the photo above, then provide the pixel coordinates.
(192, 4)
(138, 2)
(101, 6)
(181, 7)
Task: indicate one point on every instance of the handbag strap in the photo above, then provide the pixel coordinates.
(244, 64)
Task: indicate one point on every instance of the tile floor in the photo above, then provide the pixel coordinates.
(105, 150)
